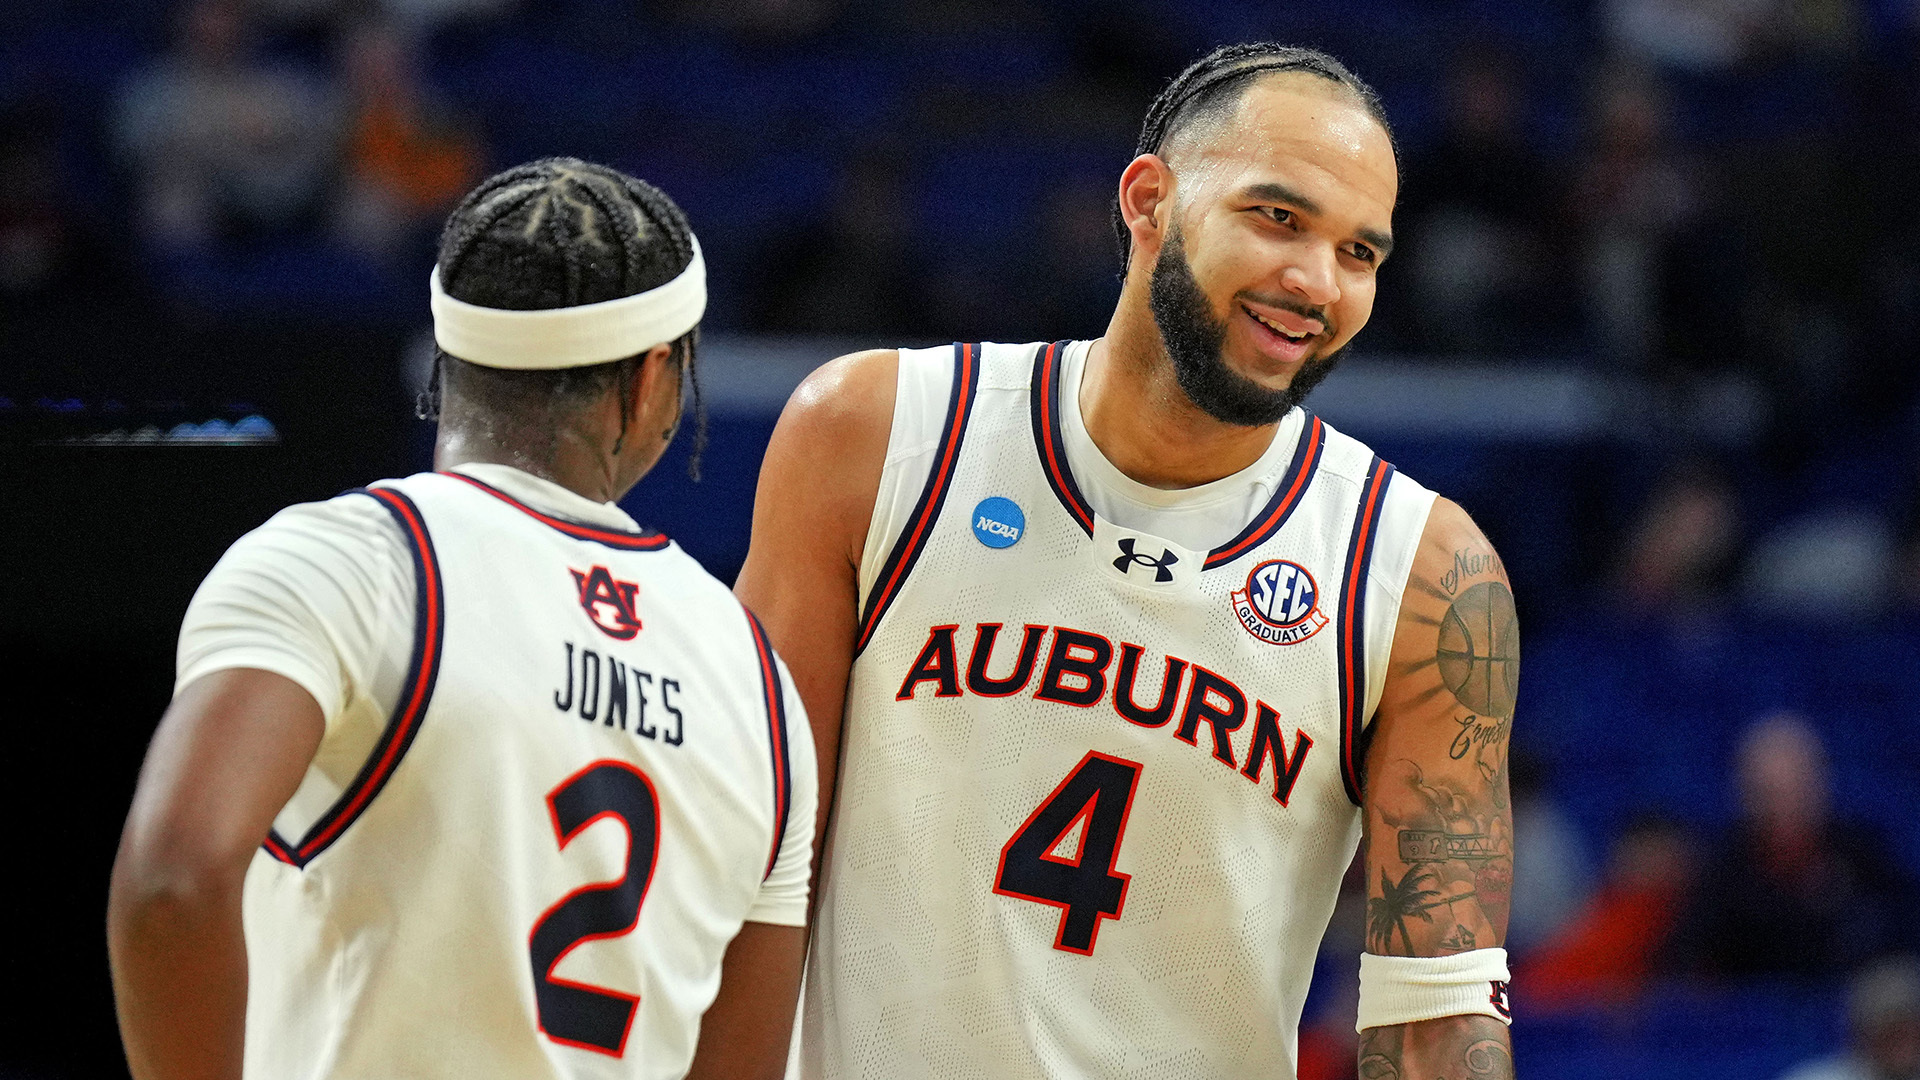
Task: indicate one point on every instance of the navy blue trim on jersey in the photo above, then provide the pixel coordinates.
(416, 692)
(776, 695)
(646, 540)
(1044, 401)
(1286, 495)
(1350, 645)
(913, 538)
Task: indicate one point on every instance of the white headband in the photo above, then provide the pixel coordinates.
(572, 336)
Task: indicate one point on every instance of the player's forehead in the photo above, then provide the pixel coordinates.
(1298, 130)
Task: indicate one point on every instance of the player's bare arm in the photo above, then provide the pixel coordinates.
(810, 517)
(227, 756)
(1438, 824)
(746, 1031)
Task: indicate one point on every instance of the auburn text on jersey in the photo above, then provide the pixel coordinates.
(1076, 673)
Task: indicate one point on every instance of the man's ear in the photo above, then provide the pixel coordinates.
(658, 375)
(1146, 203)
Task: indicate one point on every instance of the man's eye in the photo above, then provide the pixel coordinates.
(1364, 254)
(1284, 217)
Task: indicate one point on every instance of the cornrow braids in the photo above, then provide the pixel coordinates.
(560, 232)
(1211, 86)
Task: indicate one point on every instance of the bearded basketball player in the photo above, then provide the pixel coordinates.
(466, 774)
(1120, 652)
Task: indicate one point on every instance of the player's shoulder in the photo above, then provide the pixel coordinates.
(350, 525)
(1451, 531)
(1342, 455)
(343, 557)
(846, 395)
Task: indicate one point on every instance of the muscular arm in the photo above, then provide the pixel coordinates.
(1438, 826)
(227, 756)
(810, 517)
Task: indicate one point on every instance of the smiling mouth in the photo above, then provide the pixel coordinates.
(1290, 335)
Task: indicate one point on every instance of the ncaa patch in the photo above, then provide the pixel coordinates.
(1281, 603)
(998, 522)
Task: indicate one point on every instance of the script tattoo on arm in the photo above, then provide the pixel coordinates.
(1437, 819)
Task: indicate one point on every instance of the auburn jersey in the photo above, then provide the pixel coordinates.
(594, 772)
(1098, 788)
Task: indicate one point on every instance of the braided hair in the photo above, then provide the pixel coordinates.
(1210, 88)
(559, 232)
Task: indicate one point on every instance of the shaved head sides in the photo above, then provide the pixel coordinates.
(1209, 90)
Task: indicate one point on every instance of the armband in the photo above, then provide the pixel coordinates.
(1406, 989)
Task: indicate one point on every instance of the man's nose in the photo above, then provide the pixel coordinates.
(1313, 276)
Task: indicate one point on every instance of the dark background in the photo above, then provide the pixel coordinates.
(1652, 322)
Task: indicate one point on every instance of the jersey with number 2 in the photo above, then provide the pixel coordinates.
(595, 763)
(1098, 790)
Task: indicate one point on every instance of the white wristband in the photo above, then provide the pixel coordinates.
(1406, 989)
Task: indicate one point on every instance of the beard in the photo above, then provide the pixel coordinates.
(1194, 339)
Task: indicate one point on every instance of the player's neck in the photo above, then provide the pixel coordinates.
(1145, 424)
(566, 461)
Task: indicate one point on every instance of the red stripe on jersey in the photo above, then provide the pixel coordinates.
(1305, 463)
(416, 692)
(776, 702)
(907, 551)
(626, 541)
(1352, 643)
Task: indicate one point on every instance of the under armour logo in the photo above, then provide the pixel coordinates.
(1161, 566)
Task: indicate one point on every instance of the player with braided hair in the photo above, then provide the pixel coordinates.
(485, 260)
(466, 774)
(1114, 651)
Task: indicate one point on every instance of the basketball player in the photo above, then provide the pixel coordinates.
(1120, 651)
(536, 797)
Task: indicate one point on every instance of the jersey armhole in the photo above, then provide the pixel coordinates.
(922, 389)
(1403, 522)
(1354, 657)
(416, 693)
(918, 524)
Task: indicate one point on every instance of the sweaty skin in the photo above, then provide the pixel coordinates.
(1285, 213)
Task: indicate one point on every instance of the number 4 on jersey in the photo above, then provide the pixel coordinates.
(1095, 799)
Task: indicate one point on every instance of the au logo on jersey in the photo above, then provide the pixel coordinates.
(609, 603)
(1281, 603)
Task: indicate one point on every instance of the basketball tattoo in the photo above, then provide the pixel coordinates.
(1439, 826)
(1479, 653)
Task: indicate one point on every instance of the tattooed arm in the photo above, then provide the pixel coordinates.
(1438, 827)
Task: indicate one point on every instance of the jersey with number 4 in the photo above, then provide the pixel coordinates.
(594, 767)
(1098, 790)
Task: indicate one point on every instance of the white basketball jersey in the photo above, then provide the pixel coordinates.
(1098, 790)
(590, 772)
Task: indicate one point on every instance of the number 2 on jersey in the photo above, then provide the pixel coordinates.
(1095, 798)
(593, 1017)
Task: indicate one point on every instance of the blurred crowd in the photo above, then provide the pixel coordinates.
(1705, 200)
(224, 146)
(1706, 204)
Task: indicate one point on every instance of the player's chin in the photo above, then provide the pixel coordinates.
(1268, 372)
